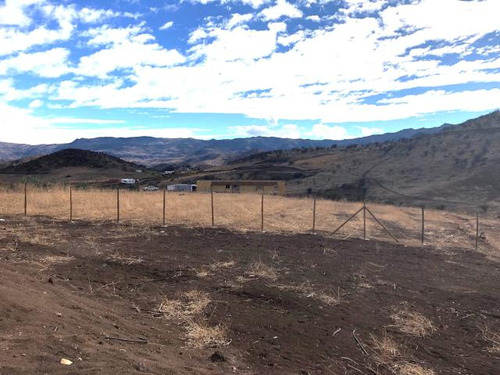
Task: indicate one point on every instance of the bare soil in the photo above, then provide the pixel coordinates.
(212, 301)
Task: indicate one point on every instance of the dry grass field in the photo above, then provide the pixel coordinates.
(242, 212)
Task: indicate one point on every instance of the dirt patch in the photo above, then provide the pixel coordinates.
(123, 299)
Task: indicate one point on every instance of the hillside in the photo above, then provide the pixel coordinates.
(183, 151)
(456, 167)
(68, 158)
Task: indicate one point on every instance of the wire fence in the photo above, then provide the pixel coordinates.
(253, 212)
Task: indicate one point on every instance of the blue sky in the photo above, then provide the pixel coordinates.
(315, 69)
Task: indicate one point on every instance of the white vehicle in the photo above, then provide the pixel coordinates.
(128, 181)
(150, 188)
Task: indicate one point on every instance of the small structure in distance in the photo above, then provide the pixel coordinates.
(182, 187)
(276, 187)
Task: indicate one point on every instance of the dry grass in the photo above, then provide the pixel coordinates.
(412, 323)
(391, 355)
(260, 269)
(493, 338)
(413, 369)
(386, 349)
(125, 260)
(242, 212)
(310, 291)
(214, 267)
(199, 334)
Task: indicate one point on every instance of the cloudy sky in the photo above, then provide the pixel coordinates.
(236, 68)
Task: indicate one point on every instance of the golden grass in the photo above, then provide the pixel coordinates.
(242, 212)
(412, 323)
(307, 290)
(413, 369)
(214, 267)
(199, 334)
(261, 269)
(386, 349)
(493, 338)
(390, 354)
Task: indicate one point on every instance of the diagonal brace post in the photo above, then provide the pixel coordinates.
(348, 220)
(382, 225)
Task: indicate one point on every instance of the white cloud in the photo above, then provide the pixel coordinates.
(76, 120)
(51, 63)
(125, 48)
(167, 25)
(366, 132)
(281, 9)
(314, 18)
(239, 43)
(253, 3)
(12, 12)
(21, 126)
(322, 131)
(284, 131)
(37, 103)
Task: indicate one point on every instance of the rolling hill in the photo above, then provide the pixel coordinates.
(68, 158)
(457, 167)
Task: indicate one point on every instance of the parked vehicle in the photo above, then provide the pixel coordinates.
(150, 188)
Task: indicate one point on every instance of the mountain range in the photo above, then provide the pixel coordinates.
(151, 151)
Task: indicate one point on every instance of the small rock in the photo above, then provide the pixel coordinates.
(217, 357)
(59, 314)
(141, 367)
(66, 362)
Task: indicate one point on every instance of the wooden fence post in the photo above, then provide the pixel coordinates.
(212, 205)
(477, 229)
(164, 206)
(70, 203)
(262, 211)
(25, 199)
(423, 225)
(314, 215)
(118, 205)
(364, 220)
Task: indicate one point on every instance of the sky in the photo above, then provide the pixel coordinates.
(318, 69)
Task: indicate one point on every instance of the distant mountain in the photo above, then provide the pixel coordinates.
(181, 151)
(68, 158)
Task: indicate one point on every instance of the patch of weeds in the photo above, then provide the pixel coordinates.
(412, 323)
(201, 335)
(310, 291)
(407, 368)
(261, 269)
(493, 338)
(198, 334)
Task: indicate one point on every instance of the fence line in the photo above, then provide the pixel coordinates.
(31, 200)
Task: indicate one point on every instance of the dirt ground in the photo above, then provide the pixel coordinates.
(213, 301)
